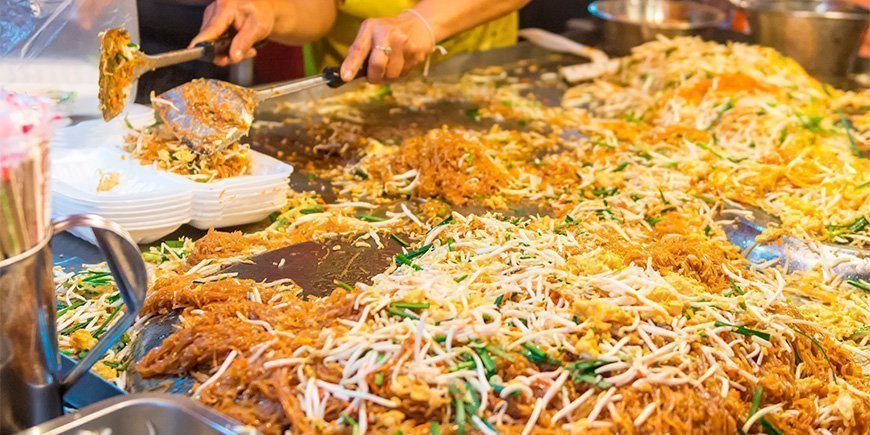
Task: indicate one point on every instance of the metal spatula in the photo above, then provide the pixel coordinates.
(209, 115)
(114, 85)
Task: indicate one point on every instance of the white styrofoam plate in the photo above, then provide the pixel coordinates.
(148, 202)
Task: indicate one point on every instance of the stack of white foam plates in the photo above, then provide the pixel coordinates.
(148, 202)
(239, 200)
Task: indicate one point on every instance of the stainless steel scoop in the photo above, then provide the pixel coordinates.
(209, 115)
(115, 84)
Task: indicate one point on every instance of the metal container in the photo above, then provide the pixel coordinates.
(629, 23)
(143, 414)
(33, 385)
(823, 36)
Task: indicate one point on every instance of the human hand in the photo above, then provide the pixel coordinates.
(254, 21)
(394, 45)
(865, 47)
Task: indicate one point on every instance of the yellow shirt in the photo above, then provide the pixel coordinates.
(333, 48)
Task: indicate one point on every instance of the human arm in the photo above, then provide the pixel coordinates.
(293, 22)
(409, 38)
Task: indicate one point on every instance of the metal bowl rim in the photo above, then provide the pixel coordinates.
(716, 15)
(859, 12)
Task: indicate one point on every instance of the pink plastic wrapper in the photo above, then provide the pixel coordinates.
(26, 126)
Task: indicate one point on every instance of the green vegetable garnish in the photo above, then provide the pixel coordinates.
(744, 330)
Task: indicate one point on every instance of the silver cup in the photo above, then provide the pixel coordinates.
(32, 385)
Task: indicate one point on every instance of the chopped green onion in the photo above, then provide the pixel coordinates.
(621, 167)
(819, 346)
(112, 315)
(416, 253)
(486, 359)
(859, 284)
(73, 328)
(351, 422)
(370, 218)
(734, 288)
(461, 278)
(312, 210)
(536, 351)
(769, 429)
(400, 241)
(847, 126)
(410, 305)
(402, 259)
(497, 351)
(584, 372)
(744, 330)
(434, 428)
(499, 300)
(460, 413)
(463, 366)
(71, 306)
(360, 173)
(343, 285)
(403, 313)
(444, 222)
(379, 379)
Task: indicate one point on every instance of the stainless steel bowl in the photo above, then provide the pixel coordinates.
(823, 36)
(628, 23)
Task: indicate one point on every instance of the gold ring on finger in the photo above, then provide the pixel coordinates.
(387, 50)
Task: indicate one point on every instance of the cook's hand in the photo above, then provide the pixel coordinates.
(396, 44)
(252, 19)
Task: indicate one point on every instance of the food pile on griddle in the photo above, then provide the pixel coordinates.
(618, 305)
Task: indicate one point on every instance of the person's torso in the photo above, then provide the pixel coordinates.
(498, 33)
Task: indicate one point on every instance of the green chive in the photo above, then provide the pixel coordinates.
(497, 351)
(73, 328)
(756, 401)
(402, 259)
(343, 285)
(859, 284)
(410, 305)
(769, 429)
(351, 422)
(312, 210)
(621, 167)
(440, 338)
(536, 351)
(416, 253)
(360, 173)
(403, 313)
(744, 330)
(488, 363)
(461, 278)
(819, 346)
(370, 218)
(462, 366)
(71, 306)
(499, 300)
(379, 379)
(444, 222)
(847, 126)
(102, 327)
(400, 241)
(735, 288)
(460, 416)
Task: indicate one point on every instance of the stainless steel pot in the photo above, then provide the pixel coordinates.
(823, 36)
(33, 385)
(629, 23)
